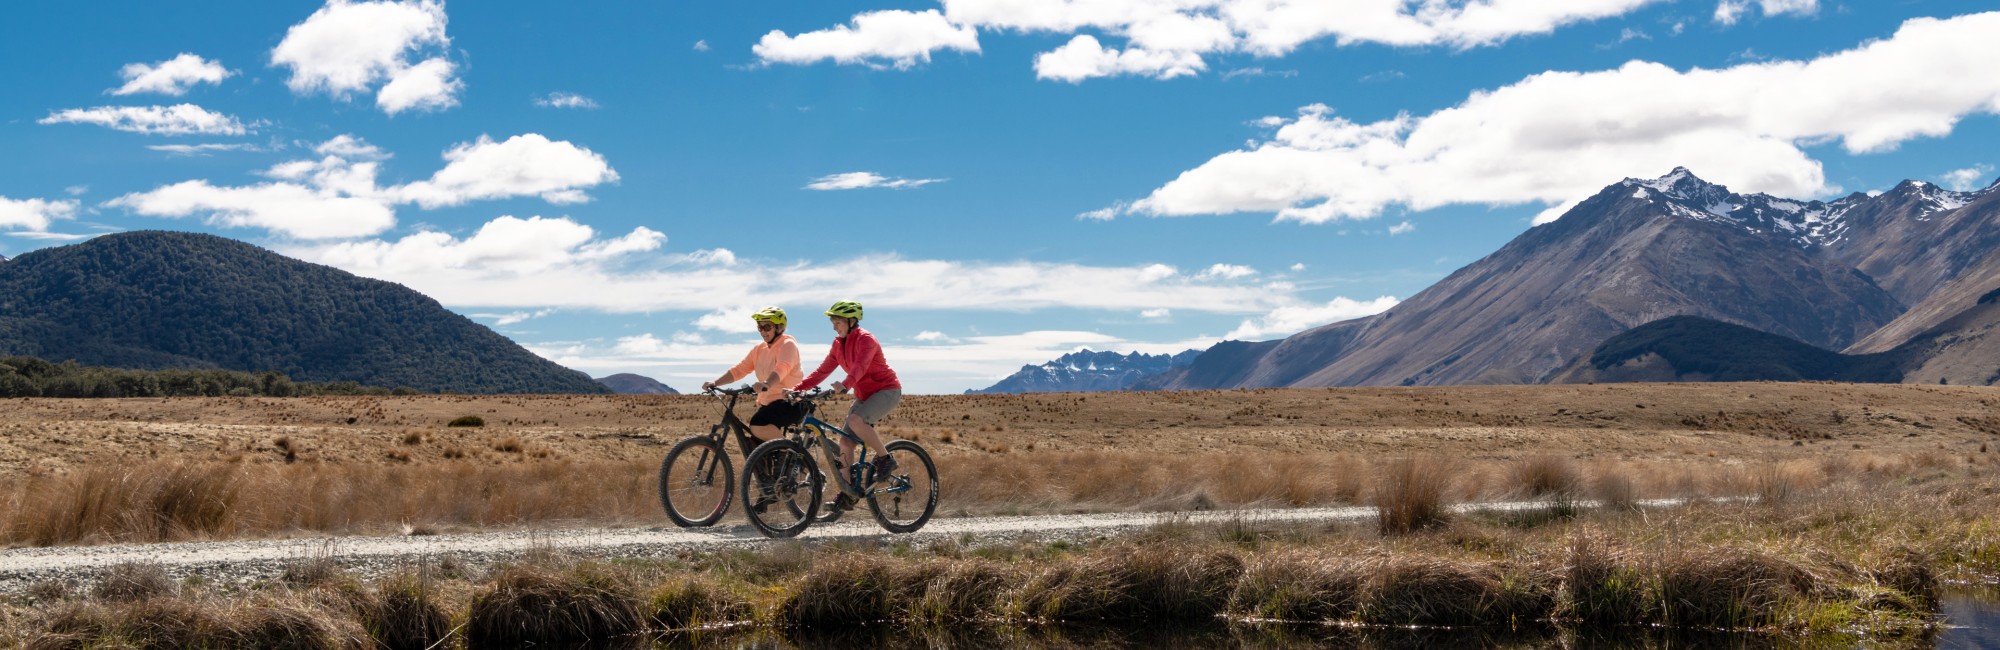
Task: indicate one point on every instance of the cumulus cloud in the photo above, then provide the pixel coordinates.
(1226, 272)
(881, 38)
(179, 119)
(1291, 319)
(866, 180)
(34, 215)
(523, 165)
(1968, 179)
(1556, 137)
(1170, 39)
(426, 86)
(932, 336)
(348, 47)
(565, 100)
(170, 77)
(1083, 58)
(337, 196)
(506, 245)
(1728, 12)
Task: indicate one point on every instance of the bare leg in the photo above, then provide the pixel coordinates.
(866, 432)
(764, 431)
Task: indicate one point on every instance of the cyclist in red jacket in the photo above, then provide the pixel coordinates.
(876, 389)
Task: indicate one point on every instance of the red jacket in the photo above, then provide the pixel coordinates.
(859, 355)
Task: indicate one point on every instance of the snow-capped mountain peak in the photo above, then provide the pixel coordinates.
(1805, 223)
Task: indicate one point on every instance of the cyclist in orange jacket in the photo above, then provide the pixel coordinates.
(774, 367)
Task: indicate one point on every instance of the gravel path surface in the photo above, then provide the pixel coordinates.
(244, 562)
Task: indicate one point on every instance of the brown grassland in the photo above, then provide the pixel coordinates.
(89, 471)
(1861, 501)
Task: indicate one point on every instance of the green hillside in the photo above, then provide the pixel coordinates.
(1726, 352)
(156, 300)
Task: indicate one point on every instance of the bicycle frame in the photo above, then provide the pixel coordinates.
(744, 441)
(813, 432)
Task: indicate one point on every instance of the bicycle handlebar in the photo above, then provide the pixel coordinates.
(718, 390)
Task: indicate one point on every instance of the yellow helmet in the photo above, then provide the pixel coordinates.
(772, 315)
(845, 309)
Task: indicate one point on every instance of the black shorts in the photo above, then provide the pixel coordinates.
(782, 413)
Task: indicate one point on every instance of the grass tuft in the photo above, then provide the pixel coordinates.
(539, 604)
(1409, 495)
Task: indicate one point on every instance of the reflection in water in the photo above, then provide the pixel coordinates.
(1974, 615)
(1262, 636)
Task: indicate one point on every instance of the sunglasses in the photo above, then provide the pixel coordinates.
(766, 327)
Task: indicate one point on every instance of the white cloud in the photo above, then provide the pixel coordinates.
(1165, 39)
(76, 190)
(932, 336)
(1103, 214)
(506, 245)
(1556, 137)
(1083, 58)
(1291, 319)
(539, 263)
(349, 47)
(896, 38)
(866, 180)
(179, 119)
(503, 320)
(1161, 313)
(34, 215)
(701, 46)
(427, 86)
(201, 149)
(48, 236)
(1403, 228)
(1226, 272)
(926, 366)
(170, 77)
(336, 196)
(565, 100)
(1299, 266)
(1728, 12)
(523, 165)
(290, 209)
(1968, 179)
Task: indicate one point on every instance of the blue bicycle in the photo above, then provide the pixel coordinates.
(783, 496)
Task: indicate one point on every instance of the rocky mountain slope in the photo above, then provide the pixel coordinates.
(626, 383)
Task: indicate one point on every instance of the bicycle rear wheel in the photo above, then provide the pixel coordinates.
(695, 481)
(781, 487)
(904, 500)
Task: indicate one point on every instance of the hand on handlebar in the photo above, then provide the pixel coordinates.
(839, 387)
(708, 387)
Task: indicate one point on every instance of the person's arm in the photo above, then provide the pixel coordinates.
(787, 362)
(825, 368)
(747, 366)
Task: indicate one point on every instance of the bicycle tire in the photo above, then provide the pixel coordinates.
(906, 511)
(689, 491)
(798, 477)
(830, 515)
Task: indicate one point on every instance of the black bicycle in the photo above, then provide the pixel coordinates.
(785, 496)
(696, 480)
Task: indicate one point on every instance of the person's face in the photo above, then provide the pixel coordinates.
(767, 330)
(840, 325)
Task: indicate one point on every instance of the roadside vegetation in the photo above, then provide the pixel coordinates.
(32, 377)
(1854, 555)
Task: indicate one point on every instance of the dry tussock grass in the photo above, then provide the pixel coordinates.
(1859, 552)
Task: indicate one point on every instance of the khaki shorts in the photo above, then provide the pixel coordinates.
(877, 405)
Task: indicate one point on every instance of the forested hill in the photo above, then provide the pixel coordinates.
(156, 300)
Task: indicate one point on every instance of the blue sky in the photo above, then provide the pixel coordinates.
(617, 185)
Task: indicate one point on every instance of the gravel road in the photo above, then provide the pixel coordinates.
(244, 562)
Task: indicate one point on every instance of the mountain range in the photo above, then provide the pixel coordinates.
(626, 383)
(1085, 371)
(159, 300)
(1905, 270)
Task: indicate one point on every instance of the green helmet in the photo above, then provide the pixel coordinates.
(845, 309)
(772, 315)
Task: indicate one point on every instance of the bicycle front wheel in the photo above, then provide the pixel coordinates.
(695, 481)
(904, 500)
(781, 487)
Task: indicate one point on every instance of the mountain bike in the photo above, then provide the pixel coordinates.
(696, 478)
(785, 500)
